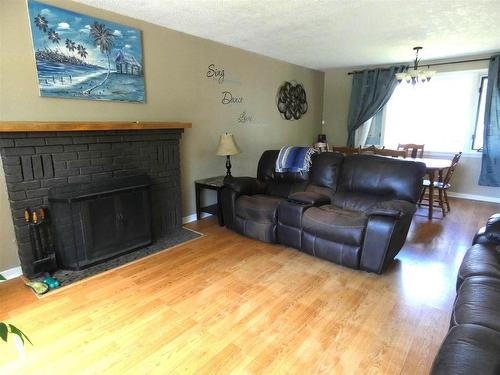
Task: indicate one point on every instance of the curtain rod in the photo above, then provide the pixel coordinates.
(435, 64)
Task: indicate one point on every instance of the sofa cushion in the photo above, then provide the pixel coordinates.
(284, 189)
(356, 201)
(325, 169)
(469, 349)
(320, 190)
(335, 224)
(386, 177)
(478, 302)
(245, 185)
(259, 208)
(480, 260)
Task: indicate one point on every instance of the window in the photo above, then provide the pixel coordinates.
(446, 114)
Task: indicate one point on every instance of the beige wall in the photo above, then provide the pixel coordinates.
(176, 89)
(336, 105)
(336, 108)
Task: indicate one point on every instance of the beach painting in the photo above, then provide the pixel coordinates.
(82, 57)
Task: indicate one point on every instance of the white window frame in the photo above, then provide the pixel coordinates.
(468, 141)
(482, 79)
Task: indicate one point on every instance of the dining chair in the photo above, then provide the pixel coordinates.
(442, 187)
(321, 147)
(346, 150)
(370, 149)
(389, 152)
(412, 150)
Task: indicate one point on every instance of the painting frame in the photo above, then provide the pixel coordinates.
(78, 56)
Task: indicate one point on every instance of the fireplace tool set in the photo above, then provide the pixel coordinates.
(44, 259)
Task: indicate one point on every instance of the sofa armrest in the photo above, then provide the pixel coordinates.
(492, 230)
(490, 233)
(385, 234)
(245, 185)
(309, 198)
(233, 188)
(393, 208)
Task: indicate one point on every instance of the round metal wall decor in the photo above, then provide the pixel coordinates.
(291, 100)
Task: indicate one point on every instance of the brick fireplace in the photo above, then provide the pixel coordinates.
(34, 162)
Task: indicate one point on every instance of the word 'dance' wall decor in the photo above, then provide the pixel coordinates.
(82, 57)
(291, 100)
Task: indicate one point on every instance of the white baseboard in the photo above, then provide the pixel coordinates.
(474, 197)
(12, 273)
(191, 218)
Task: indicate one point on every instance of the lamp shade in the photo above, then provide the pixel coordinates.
(227, 145)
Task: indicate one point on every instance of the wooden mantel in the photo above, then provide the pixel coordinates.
(73, 126)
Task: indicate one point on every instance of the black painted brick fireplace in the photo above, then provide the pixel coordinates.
(35, 162)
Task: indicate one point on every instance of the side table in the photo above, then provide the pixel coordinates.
(212, 183)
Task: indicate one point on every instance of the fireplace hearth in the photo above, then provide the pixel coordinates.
(36, 163)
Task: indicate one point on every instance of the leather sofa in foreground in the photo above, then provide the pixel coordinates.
(472, 345)
(354, 210)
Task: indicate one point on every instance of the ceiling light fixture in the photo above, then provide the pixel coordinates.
(415, 75)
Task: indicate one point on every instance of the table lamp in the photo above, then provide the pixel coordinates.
(227, 147)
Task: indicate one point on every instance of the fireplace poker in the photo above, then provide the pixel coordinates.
(38, 241)
(31, 229)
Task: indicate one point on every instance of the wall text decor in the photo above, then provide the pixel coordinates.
(291, 100)
(228, 98)
(245, 117)
(216, 73)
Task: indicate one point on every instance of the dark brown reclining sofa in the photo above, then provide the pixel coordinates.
(354, 210)
(472, 345)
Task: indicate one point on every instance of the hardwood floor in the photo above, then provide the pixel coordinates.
(228, 304)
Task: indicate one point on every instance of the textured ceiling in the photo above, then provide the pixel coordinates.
(326, 34)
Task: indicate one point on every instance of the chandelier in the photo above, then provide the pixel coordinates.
(415, 75)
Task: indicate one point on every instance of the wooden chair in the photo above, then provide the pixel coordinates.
(346, 150)
(442, 187)
(321, 147)
(412, 150)
(370, 149)
(391, 153)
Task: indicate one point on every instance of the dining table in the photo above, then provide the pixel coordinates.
(433, 167)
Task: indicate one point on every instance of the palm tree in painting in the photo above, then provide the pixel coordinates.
(70, 46)
(82, 51)
(54, 36)
(104, 39)
(42, 23)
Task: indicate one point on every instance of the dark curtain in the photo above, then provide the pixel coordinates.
(490, 168)
(371, 89)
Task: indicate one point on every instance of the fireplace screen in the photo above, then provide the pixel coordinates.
(94, 222)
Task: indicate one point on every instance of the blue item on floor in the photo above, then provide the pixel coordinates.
(51, 283)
